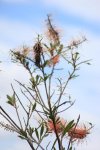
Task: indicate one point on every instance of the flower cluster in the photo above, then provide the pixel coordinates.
(75, 133)
(76, 42)
(78, 133)
(60, 124)
(52, 33)
(54, 60)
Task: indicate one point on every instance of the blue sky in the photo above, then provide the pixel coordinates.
(21, 21)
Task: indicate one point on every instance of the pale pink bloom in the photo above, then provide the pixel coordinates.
(60, 124)
(79, 132)
(74, 43)
(54, 60)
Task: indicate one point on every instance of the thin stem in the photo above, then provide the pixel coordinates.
(9, 118)
(16, 129)
(50, 82)
(25, 88)
(31, 145)
(69, 78)
(28, 118)
(36, 85)
(57, 136)
(39, 98)
(70, 141)
(37, 143)
(20, 102)
(17, 109)
(49, 104)
(65, 108)
(30, 100)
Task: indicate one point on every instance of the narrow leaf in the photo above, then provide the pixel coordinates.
(37, 134)
(68, 127)
(33, 107)
(23, 138)
(23, 133)
(42, 130)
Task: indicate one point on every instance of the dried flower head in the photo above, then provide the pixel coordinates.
(7, 127)
(52, 33)
(25, 50)
(76, 42)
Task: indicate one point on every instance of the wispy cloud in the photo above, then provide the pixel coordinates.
(84, 8)
(14, 31)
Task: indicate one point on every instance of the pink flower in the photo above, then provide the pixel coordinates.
(60, 124)
(79, 133)
(54, 60)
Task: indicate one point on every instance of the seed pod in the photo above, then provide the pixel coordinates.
(37, 51)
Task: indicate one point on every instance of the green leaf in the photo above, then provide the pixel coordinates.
(70, 148)
(45, 63)
(42, 130)
(36, 132)
(46, 112)
(32, 79)
(54, 144)
(11, 100)
(33, 107)
(31, 130)
(58, 119)
(54, 109)
(37, 78)
(46, 77)
(60, 48)
(46, 46)
(88, 63)
(33, 82)
(51, 117)
(68, 127)
(20, 136)
(23, 133)
(36, 81)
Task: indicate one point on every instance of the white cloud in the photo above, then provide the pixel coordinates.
(12, 141)
(15, 33)
(82, 8)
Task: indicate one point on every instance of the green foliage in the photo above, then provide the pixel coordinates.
(37, 134)
(42, 130)
(69, 126)
(33, 107)
(23, 133)
(11, 100)
(30, 131)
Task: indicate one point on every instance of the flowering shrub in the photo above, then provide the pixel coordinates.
(43, 62)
